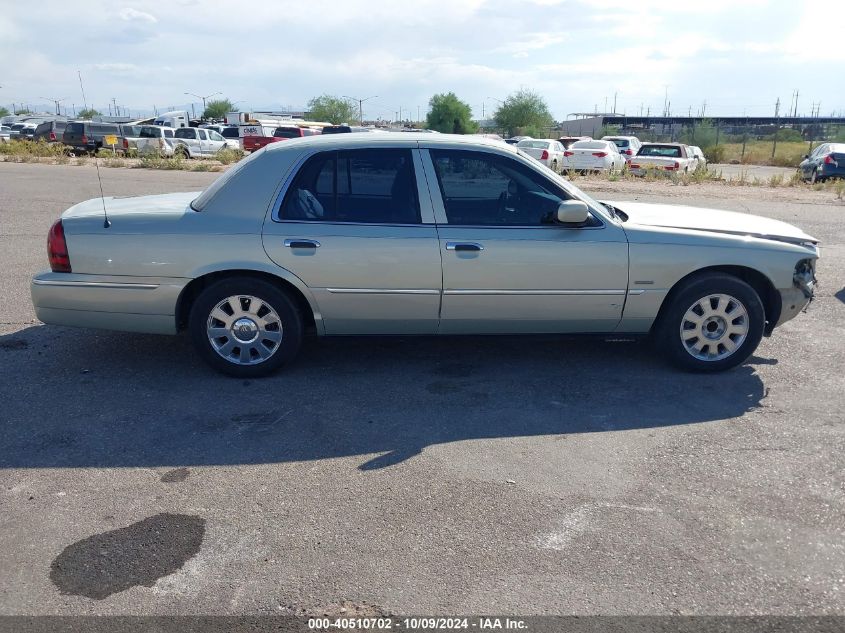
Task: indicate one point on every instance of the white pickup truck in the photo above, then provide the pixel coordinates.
(193, 142)
(671, 157)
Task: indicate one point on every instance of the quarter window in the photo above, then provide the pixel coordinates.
(374, 186)
(482, 189)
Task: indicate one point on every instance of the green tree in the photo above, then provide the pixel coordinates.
(524, 110)
(88, 113)
(4, 111)
(450, 115)
(217, 109)
(335, 110)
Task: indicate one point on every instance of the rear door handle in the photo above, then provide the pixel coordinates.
(464, 246)
(302, 243)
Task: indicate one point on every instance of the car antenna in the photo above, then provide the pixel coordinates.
(106, 221)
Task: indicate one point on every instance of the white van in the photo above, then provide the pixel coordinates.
(174, 119)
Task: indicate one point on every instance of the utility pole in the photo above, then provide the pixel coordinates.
(360, 106)
(614, 102)
(777, 107)
(666, 101)
(56, 101)
(777, 129)
(641, 109)
(703, 108)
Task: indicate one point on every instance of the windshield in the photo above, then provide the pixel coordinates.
(667, 151)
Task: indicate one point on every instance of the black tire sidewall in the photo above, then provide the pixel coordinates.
(668, 337)
(274, 296)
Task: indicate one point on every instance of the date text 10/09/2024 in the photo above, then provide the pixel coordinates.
(416, 623)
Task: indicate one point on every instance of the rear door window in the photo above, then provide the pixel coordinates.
(373, 186)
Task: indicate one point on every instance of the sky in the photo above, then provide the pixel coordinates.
(727, 57)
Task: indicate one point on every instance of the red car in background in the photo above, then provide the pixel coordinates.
(281, 133)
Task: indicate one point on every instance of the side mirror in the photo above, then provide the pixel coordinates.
(572, 212)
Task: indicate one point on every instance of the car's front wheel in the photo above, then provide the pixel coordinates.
(713, 323)
(245, 327)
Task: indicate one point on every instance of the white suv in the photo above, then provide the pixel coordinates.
(196, 142)
(628, 146)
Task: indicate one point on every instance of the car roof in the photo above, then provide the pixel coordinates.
(364, 139)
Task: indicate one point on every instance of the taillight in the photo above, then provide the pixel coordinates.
(126, 143)
(600, 154)
(544, 155)
(627, 152)
(634, 166)
(568, 153)
(673, 167)
(57, 249)
(52, 136)
(84, 140)
(828, 160)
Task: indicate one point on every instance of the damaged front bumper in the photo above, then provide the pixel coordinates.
(799, 297)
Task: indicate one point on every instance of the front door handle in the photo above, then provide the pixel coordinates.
(302, 243)
(464, 246)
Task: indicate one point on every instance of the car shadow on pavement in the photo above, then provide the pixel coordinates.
(83, 398)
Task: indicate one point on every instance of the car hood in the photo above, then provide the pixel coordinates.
(712, 221)
(169, 203)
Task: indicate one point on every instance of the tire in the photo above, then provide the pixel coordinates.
(184, 153)
(554, 167)
(714, 322)
(814, 177)
(275, 327)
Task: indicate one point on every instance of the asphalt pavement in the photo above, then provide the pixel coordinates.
(416, 475)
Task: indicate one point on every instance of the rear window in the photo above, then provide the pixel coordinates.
(184, 132)
(43, 127)
(75, 128)
(287, 132)
(619, 142)
(336, 129)
(589, 145)
(229, 132)
(667, 151)
(534, 144)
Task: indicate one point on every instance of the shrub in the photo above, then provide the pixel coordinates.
(228, 155)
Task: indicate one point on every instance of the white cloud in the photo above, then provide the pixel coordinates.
(133, 15)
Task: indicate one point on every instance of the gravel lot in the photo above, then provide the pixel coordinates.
(496, 475)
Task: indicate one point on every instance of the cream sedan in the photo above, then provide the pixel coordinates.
(418, 234)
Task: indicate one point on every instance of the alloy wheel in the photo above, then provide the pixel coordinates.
(714, 327)
(244, 330)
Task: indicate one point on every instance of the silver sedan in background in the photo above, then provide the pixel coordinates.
(427, 234)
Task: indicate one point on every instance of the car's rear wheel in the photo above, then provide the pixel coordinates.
(713, 323)
(554, 166)
(182, 152)
(245, 327)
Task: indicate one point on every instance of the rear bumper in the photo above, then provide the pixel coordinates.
(132, 304)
